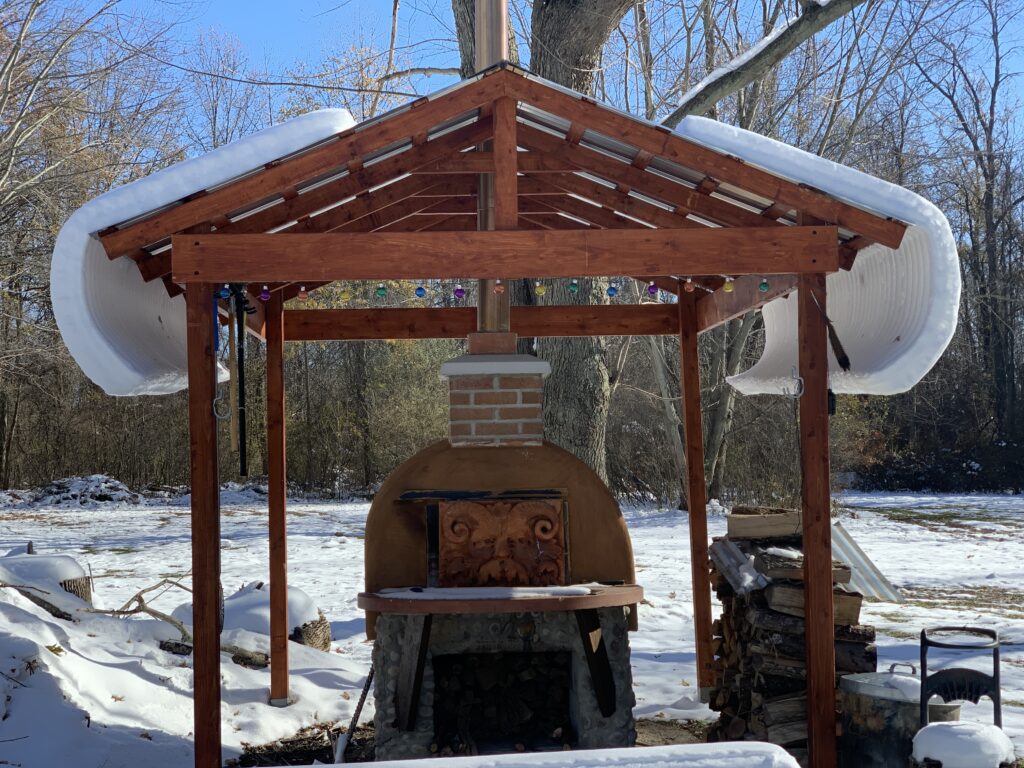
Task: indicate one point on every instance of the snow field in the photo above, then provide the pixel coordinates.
(101, 689)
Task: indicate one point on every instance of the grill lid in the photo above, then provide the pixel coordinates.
(891, 685)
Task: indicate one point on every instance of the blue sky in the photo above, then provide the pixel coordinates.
(277, 34)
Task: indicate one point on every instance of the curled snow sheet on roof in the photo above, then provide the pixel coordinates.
(894, 312)
(127, 335)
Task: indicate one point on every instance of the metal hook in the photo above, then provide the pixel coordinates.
(797, 392)
(219, 414)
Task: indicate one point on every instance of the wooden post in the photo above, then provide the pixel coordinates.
(817, 523)
(276, 493)
(202, 387)
(689, 383)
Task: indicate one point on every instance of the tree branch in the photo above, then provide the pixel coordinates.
(752, 65)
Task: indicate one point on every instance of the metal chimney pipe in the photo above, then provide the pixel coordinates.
(490, 33)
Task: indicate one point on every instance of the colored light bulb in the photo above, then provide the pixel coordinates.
(652, 290)
(223, 292)
(381, 291)
(265, 294)
(728, 287)
(499, 287)
(539, 288)
(613, 291)
(303, 294)
(420, 291)
(346, 294)
(574, 286)
(688, 286)
(460, 292)
(763, 285)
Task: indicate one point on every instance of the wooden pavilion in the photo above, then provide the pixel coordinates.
(578, 190)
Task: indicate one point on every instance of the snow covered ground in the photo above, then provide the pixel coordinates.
(102, 691)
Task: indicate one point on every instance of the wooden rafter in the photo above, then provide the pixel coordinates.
(685, 199)
(617, 201)
(357, 142)
(370, 256)
(665, 143)
(483, 162)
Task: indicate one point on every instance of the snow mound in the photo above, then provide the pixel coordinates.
(895, 311)
(42, 568)
(963, 745)
(99, 693)
(249, 609)
(90, 491)
(725, 755)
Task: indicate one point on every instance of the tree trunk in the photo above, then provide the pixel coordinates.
(566, 41)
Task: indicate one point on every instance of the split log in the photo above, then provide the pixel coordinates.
(793, 625)
(788, 598)
(763, 523)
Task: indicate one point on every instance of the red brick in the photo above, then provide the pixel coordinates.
(492, 343)
(488, 428)
(531, 397)
(526, 412)
(471, 382)
(460, 430)
(519, 382)
(471, 414)
(495, 398)
(459, 398)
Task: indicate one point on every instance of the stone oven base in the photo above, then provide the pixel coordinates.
(450, 635)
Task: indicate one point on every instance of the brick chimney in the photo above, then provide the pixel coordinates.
(494, 394)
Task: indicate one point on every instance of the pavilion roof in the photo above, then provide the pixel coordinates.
(581, 165)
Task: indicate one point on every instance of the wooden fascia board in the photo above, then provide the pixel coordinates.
(325, 257)
(454, 323)
(663, 142)
(333, 154)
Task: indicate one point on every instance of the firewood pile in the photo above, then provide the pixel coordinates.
(760, 660)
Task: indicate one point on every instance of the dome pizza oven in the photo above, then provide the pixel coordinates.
(499, 584)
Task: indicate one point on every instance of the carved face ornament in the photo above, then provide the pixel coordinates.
(502, 544)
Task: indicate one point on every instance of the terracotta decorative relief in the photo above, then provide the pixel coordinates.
(501, 543)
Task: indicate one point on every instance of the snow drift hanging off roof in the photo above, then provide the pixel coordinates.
(127, 335)
(894, 312)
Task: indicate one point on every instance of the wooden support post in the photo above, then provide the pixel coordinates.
(276, 493)
(689, 381)
(817, 523)
(206, 594)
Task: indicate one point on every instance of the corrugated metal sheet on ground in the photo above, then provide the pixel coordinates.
(866, 578)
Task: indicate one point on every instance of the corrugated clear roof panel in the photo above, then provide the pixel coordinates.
(675, 171)
(748, 197)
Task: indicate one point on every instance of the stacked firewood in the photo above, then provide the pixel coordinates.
(760, 660)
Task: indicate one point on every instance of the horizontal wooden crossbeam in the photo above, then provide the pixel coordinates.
(323, 257)
(457, 322)
(719, 307)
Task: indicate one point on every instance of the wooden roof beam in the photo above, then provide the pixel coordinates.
(456, 322)
(618, 201)
(356, 142)
(373, 256)
(657, 187)
(665, 143)
(719, 307)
